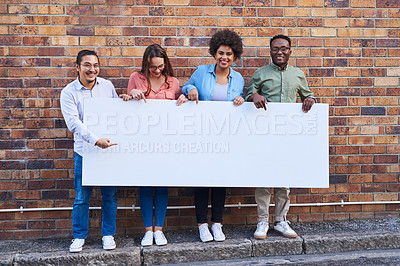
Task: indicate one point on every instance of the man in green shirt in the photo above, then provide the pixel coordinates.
(277, 82)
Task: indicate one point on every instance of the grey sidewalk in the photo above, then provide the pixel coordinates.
(364, 242)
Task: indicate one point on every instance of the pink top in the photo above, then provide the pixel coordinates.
(138, 81)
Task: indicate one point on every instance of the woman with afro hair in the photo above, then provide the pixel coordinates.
(216, 82)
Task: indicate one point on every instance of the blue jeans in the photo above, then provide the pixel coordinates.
(80, 212)
(160, 205)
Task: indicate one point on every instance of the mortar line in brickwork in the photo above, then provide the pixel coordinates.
(238, 205)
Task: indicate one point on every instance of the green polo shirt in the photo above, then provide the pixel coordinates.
(278, 85)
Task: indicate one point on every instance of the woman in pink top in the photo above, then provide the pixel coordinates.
(154, 81)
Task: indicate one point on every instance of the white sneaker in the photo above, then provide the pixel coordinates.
(159, 238)
(76, 245)
(261, 231)
(205, 234)
(216, 230)
(147, 239)
(284, 229)
(108, 242)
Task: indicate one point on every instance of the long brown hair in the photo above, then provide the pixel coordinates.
(151, 51)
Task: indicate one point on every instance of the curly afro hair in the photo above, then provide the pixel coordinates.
(228, 38)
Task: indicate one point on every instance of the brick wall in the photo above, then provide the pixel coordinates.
(349, 50)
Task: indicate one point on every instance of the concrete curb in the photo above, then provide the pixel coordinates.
(277, 246)
(344, 243)
(198, 251)
(315, 240)
(371, 257)
(91, 257)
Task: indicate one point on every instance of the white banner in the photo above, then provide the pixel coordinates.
(206, 144)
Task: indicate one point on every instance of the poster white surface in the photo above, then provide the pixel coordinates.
(206, 144)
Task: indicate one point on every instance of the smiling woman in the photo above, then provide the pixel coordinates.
(217, 82)
(154, 81)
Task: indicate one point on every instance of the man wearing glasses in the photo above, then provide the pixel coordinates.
(277, 82)
(88, 85)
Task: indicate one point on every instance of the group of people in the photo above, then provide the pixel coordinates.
(276, 82)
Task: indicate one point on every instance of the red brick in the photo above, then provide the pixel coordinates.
(37, 41)
(309, 22)
(65, 20)
(270, 12)
(322, 209)
(386, 159)
(279, 22)
(101, 21)
(256, 22)
(266, 32)
(309, 62)
(23, 51)
(27, 195)
(51, 51)
(185, 31)
(10, 40)
(244, 12)
(204, 21)
(137, 31)
(79, 10)
(11, 62)
(54, 174)
(347, 169)
(106, 10)
(334, 42)
(385, 178)
(23, 30)
(42, 224)
(310, 218)
(259, 3)
(370, 52)
(336, 217)
(350, 13)
(13, 225)
(349, 208)
(36, 20)
(389, 215)
(63, 164)
(145, 41)
(308, 199)
(346, 131)
(120, 21)
(373, 169)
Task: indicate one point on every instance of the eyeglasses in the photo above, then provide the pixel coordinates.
(282, 49)
(160, 67)
(89, 66)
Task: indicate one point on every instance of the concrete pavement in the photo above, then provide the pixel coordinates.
(354, 242)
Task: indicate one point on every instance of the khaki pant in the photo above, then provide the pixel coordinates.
(282, 202)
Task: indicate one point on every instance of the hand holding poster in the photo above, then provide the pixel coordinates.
(206, 144)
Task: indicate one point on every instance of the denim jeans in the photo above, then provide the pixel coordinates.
(218, 195)
(160, 205)
(80, 212)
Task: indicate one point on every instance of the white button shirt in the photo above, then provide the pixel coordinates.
(71, 101)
